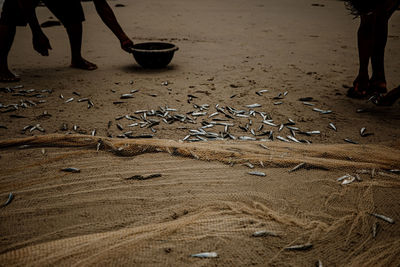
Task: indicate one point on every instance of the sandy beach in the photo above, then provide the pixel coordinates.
(232, 55)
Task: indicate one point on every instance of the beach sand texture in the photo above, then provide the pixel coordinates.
(205, 199)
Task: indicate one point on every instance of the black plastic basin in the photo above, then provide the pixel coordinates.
(154, 55)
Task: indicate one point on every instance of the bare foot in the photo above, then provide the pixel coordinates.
(389, 99)
(83, 64)
(6, 76)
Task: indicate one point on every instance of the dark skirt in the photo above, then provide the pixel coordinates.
(361, 7)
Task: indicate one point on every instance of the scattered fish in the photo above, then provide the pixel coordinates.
(263, 233)
(10, 198)
(350, 141)
(205, 255)
(300, 247)
(142, 177)
(264, 146)
(297, 167)
(375, 229)
(257, 173)
(382, 217)
(348, 180)
(71, 169)
(253, 106)
(332, 126)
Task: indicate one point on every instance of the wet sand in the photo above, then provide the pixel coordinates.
(205, 199)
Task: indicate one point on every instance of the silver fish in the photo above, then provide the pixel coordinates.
(280, 127)
(313, 132)
(248, 164)
(308, 104)
(382, 217)
(269, 123)
(71, 169)
(10, 198)
(343, 177)
(278, 103)
(257, 173)
(362, 131)
(300, 247)
(375, 229)
(297, 167)
(332, 126)
(282, 139)
(264, 146)
(350, 141)
(69, 100)
(253, 106)
(247, 138)
(205, 255)
(263, 233)
(126, 96)
(348, 180)
(293, 139)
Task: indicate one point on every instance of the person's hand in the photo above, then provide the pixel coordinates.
(127, 45)
(41, 43)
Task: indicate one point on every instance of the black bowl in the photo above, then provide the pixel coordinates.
(154, 55)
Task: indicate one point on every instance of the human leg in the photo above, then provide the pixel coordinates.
(70, 13)
(365, 38)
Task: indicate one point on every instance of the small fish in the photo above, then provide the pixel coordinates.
(361, 110)
(348, 180)
(293, 139)
(119, 126)
(253, 106)
(332, 126)
(269, 123)
(69, 100)
(350, 141)
(300, 247)
(308, 104)
(362, 131)
(205, 255)
(343, 177)
(142, 177)
(83, 99)
(301, 165)
(257, 173)
(71, 169)
(382, 217)
(247, 138)
(248, 164)
(126, 96)
(313, 132)
(318, 110)
(319, 263)
(43, 151)
(282, 139)
(264, 146)
(375, 229)
(93, 132)
(10, 198)
(280, 127)
(278, 103)
(263, 233)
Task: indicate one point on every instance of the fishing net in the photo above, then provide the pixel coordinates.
(204, 200)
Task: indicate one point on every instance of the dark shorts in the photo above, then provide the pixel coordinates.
(67, 11)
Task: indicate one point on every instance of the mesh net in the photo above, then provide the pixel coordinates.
(204, 201)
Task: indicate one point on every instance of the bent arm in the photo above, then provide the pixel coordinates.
(107, 15)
